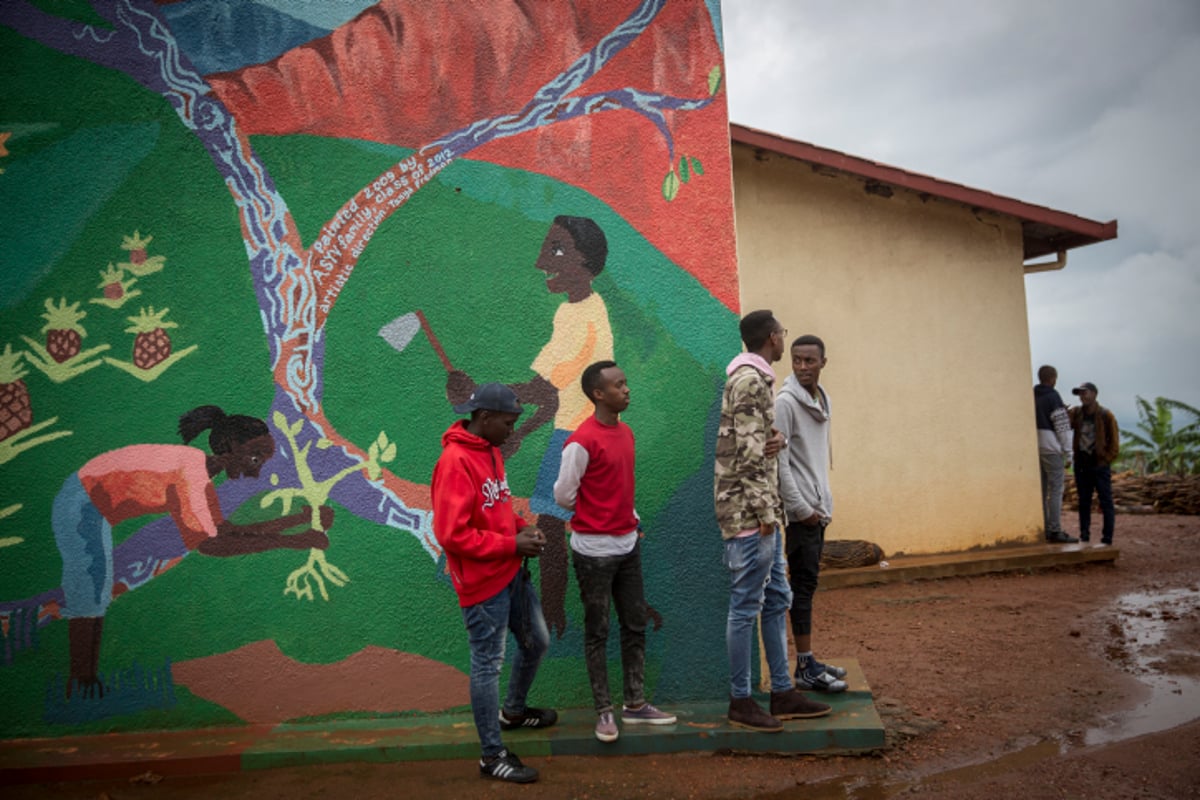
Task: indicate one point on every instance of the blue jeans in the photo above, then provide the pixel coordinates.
(488, 624)
(758, 585)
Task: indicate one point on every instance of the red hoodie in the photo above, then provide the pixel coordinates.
(473, 517)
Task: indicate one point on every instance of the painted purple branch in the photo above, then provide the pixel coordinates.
(648, 105)
(595, 59)
(103, 46)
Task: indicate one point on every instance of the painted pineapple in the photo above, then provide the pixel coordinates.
(152, 344)
(113, 287)
(64, 334)
(139, 263)
(16, 413)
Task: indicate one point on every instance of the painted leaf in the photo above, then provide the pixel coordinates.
(696, 168)
(389, 454)
(295, 429)
(280, 420)
(714, 80)
(670, 186)
(373, 470)
(324, 444)
(684, 174)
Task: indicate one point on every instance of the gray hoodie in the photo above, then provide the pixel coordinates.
(804, 462)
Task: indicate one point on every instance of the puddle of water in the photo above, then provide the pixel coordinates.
(1174, 699)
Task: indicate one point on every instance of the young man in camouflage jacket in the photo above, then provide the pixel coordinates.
(750, 514)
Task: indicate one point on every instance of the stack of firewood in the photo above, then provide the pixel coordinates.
(1148, 494)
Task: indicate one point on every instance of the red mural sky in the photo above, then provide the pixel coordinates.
(407, 72)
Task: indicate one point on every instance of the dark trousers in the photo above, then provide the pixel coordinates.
(804, 545)
(617, 579)
(1094, 478)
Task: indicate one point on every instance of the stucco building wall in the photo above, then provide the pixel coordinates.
(921, 304)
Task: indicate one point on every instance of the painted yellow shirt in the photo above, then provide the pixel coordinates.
(581, 336)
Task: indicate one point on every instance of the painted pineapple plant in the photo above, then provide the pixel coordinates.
(62, 357)
(153, 350)
(17, 431)
(139, 263)
(152, 344)
(64, 334)
(114, 291)
(16, 412)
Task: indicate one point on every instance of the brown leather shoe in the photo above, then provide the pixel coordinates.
(792, 704)
(745, 713)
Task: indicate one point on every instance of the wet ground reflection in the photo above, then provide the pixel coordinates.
(1174, 699)
(1144, 620)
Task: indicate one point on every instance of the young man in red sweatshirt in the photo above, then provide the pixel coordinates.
(595, 481)
(484, 540)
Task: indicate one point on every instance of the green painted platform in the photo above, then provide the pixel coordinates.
(853, 726)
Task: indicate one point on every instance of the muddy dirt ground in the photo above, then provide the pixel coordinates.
(1080, 682)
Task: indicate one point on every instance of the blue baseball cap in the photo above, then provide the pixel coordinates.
(491, 397)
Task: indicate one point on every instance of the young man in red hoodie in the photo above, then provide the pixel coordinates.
(595, 481)
(485, 540)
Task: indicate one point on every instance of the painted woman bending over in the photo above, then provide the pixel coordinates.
(161, 479)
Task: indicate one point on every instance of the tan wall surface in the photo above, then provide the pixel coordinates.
(922, 308)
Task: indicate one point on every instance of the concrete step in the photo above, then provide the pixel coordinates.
(853, 726)
(972, 562)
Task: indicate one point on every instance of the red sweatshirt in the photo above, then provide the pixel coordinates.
(603, 493)
(473, 517)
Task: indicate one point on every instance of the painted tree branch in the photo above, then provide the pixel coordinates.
(341, 241)
(295, 288)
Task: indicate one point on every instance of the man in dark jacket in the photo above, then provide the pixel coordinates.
(1054, 451)
(1097, 442)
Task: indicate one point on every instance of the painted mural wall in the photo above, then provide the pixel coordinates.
(251, 252)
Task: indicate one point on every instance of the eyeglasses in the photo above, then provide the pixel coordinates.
(782, 332)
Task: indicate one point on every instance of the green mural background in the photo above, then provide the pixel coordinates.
(94, 159)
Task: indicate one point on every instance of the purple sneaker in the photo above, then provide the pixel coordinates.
(646, 714)
(606, 727)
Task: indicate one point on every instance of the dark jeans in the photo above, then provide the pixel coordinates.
(804, 545)
(619, 579)
(1091, 477)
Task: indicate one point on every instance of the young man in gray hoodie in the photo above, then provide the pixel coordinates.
(802, 416)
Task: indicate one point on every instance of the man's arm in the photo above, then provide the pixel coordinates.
(1062, 429)
(1112, 443)
(798, 510)
(570, 474)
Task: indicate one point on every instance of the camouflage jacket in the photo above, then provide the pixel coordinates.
(745, 481)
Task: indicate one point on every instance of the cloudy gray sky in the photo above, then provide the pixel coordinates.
(1087, 106)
